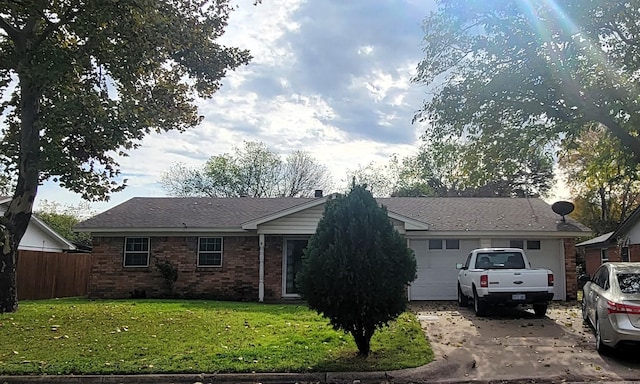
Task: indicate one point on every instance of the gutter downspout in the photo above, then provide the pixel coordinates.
(261, 273)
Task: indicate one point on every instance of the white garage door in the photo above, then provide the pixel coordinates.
(549, 256)
(437, 273)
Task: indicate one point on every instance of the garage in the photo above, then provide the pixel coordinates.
(437, 273)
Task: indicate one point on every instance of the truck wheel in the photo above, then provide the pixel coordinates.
(540, 309)
(479, 306)
(462, 299)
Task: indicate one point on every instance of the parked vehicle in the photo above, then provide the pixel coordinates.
(611, 304)
(503, 276)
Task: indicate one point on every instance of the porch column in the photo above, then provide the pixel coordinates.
(261, 273)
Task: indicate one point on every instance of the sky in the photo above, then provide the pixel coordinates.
(329, 77)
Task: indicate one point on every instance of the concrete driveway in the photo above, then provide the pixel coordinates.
(511, 343)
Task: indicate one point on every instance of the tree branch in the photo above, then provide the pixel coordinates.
(10, 29)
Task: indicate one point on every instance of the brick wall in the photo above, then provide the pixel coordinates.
(570, 268)
(273, 254)
(237, 279)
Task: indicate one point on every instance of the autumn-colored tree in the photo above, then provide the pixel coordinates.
(86, 81)
(604, 176)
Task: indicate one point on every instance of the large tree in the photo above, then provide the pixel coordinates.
(536, 70)
(356, 267)
(456, 169)
(87, 81)
(251, 170)
(603, 176)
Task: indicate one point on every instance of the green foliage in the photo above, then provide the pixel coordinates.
(535, 72)
(104, 74)
(169, 273)
(78, 336)
(252, 170)
(356, 267)
(603, 175)
(454, 169)
(86, 81)
(63, 219)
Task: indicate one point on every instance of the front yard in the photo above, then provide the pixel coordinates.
(78, 336)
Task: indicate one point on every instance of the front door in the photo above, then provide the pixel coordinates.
(293, 249)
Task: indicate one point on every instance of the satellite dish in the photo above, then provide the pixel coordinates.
(563, 208)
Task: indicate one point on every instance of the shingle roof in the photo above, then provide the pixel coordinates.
(192, 212)
(482, 214)
(605, 238)
(442, 214)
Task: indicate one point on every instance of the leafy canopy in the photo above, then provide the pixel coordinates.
(533, 70)
(604, 176)
(252, 170)
(103, 74)
(356, 266)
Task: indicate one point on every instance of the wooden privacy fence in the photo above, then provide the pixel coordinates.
(45, 275)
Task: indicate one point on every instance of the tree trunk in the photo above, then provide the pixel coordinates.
(16, 218)
(363, 341)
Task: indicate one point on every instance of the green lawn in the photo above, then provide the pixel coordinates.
(78, 336)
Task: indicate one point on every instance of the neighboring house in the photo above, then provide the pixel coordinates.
(251, 248)
(623, 244)
(39, 237)
(45, 267)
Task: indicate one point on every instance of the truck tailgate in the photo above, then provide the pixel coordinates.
(518, 280)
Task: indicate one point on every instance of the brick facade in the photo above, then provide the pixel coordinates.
(593, 258)
(571, 278)
(237, 279)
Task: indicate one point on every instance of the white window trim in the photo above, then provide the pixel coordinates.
(603, 252)
(221, 252)
(125, 252)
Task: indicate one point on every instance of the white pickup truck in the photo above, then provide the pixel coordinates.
(503, 276)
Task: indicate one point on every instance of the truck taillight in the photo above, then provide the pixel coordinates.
(613, 307)
(484, 281)
(550, 279)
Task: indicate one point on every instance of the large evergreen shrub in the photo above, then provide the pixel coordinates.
(356, 267)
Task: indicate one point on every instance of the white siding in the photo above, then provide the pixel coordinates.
(634, 234)
(37, 239)
(299, 223)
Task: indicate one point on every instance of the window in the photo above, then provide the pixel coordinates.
(533, 244)
(604, 256)
(516, 244)
(435, 244)
(452, 244)
(210, 252)
(136, 252)
(444, 244)
(624, 254)
(629, 282)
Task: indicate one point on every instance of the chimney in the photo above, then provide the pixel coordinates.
(318, 193)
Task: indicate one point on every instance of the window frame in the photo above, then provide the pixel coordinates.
(200, 251)
(446, 244)
(604, 255)
(125, 252)
(436, 248)
(539, 246)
